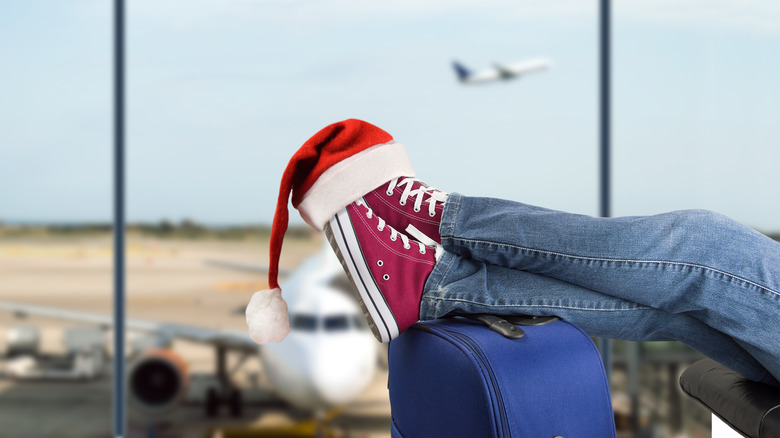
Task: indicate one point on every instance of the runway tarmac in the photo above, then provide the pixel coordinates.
(166, 281)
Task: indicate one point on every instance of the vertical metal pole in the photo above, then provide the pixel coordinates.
(605, 108)
(119, 223)
(604, 132)
(632, 351)
(632, 370)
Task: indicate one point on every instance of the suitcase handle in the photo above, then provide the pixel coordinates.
(531, 321)
(498, 325)
(507, 326)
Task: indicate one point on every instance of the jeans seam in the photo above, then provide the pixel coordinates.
(444, 274)
(549, 306)
(598, 259)
(435, 286)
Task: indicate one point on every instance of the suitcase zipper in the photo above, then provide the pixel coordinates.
(491, 375)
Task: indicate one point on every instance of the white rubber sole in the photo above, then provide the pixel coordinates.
(342, 238)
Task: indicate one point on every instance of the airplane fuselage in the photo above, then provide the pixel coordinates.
(312, 371)
(499, 72)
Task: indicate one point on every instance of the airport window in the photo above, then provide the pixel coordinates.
(220, 90)
(55, 216)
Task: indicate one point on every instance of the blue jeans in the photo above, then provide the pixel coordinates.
(692, 276)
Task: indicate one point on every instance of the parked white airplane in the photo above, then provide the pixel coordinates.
(499, 72)
(327, 360)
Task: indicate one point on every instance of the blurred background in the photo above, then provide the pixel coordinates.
(220, 93)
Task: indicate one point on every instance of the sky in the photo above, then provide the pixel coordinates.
(221, 93)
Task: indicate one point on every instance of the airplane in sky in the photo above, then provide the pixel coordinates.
(499, 72)
(327, 360)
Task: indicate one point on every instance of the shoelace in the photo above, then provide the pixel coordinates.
(394, 234)
(434, 195)
(427, 241)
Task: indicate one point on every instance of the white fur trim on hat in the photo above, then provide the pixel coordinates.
(351, 178)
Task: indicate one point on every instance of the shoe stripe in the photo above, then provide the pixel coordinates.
(355, 290)
(347, 240)
(359, 282)
(370, 288)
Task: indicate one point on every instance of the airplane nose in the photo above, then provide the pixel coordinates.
(340, 377)
(335, 385)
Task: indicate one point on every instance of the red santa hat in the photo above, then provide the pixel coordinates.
(335, 167)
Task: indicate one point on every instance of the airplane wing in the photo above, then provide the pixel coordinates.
(506, 73)
(225, 338)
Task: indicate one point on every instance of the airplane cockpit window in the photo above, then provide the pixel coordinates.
(310, 323)
(307, 323)
(336, 323)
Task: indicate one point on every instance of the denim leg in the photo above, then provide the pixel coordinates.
(695, 264)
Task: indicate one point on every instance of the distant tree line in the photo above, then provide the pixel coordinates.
(185, 229)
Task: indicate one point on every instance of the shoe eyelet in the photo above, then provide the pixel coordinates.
(402, 202)
(407, 246)
(416, 210)
(380, 263)
(389, 193)
(432, 214)
(380, 228)
(393, 238)
(385, 277)
(422, 251)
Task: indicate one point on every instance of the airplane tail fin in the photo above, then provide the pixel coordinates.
(462, 71)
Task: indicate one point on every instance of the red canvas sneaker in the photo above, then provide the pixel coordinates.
(411, 205)
(387, 268)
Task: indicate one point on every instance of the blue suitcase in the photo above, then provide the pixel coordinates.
(458, 378)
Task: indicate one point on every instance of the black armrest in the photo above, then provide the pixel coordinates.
(750, 408)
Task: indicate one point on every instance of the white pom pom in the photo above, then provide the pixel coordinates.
(266, 316)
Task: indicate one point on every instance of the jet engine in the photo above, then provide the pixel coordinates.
(23, 340)
(157, 382)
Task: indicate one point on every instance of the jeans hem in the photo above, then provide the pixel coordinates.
(448, 215)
